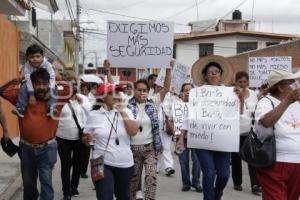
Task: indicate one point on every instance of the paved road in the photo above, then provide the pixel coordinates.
(168, 188)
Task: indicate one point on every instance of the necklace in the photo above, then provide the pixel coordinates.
(113, 127)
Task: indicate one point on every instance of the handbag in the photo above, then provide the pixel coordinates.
(257, 153)
(169, 124)
(97, 164)
(80, 130)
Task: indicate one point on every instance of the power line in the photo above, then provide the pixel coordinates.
(131, 5)
(186, 9)
(70, 13)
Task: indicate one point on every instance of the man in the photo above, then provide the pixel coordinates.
(151, 80)
(37, 138)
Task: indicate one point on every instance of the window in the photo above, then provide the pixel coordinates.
(245, 46)
(206, 49)
(271, 43)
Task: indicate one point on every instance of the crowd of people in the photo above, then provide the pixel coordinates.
(128, 127)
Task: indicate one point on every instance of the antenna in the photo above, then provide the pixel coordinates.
(252, 10)
(197, 9)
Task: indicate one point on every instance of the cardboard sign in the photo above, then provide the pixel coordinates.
(260, 68)
(213, 119)
(179, 110)
(140, 44)
(179, 76)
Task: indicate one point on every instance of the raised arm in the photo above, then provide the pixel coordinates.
(167, 83)
(106, 66)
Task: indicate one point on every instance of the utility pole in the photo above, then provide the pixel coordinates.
(77, 38)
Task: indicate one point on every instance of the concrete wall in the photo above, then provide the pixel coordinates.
(9, 65)
(187, 52)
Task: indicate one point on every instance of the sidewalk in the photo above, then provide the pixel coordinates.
(10, 179)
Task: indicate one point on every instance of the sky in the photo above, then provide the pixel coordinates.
(277, 16)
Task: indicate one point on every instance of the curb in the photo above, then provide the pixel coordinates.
(12, 187)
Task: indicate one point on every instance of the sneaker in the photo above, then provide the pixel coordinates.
(75, 193)
(256, 190)
(18, 112)
(52, 112)
(139, 195)
(185, 188)
(169, 171)
(198, 188)
(84, 175)
(238, 188)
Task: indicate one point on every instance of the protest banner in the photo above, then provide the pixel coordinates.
(260, 67)
(140, 44)
(179, 76)
(213, 119)
(180, 111)
(160, 80)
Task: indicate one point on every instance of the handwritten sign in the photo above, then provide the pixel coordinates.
(179, 76)
(160, 80)
(139, 44)
(213, 119)
(179, 110)
(260, 68)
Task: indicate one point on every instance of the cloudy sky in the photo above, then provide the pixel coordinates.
(278, 16)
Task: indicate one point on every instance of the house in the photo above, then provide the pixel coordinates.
(223, 37)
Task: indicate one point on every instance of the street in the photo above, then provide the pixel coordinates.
(168, 188)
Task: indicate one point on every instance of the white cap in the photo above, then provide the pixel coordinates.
(279, 75)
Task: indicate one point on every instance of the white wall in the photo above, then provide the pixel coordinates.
(187, 52)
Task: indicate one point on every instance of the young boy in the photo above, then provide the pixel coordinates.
(35, 59)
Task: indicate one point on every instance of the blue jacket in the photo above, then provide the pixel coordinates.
(152, 114)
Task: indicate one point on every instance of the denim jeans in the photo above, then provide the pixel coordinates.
(184, 160)
(38, 162)
(23, 97)
(116, 181)
(214, 163)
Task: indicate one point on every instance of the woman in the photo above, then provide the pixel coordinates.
(146, 145)
(281, 181)
(249, 102)
(110, 114)
(184, 157)
(215, 165)
(69, 144)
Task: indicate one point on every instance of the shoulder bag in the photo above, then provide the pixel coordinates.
(80, 129)
(257, 153)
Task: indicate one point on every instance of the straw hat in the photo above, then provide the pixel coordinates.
(200, 64)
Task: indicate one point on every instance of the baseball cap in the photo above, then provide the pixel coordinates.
(108, 88)
(276, 76)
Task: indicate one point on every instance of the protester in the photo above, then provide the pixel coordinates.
(70, 148)
(92, 94)
(35, 60)
(249, 102)
(184, 154)
(110, 115)
(151, 81)
(38, 146)
(280, 181)
(86, 151)
(215, 165)
(146, 145)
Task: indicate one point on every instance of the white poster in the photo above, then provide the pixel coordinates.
(160, 80)
(143, 44)
(179, 110)
(179, 76)
(213, 119)
(260, 68)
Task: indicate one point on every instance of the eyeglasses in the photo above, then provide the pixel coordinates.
(213, 72)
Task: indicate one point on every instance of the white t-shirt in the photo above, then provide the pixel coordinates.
(287, 129)
(249, 107)
(99, 126)
(92, 98)
(67, 128)
(145, 136)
